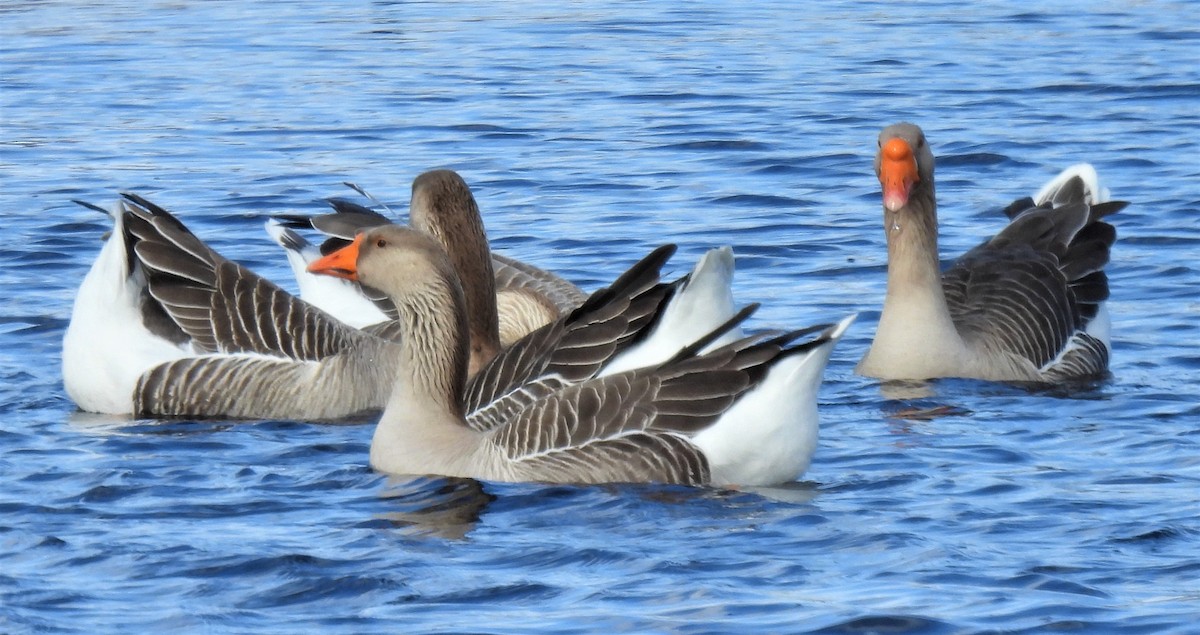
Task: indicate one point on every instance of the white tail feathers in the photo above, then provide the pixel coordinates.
(770, 435)
(1094, 192)
(703, 303)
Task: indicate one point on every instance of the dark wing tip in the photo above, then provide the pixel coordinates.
(695, 347)
(91, 206)
(294, 221)
(344, 206)
(1100, 210)
(289, 239)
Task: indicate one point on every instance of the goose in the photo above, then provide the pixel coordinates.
(743, 414)
(164, 326)
(526, 297)
(1025, 305)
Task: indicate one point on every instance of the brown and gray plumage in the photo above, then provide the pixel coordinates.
(744, 413)
(259, 352)
(1025, 305)
(165, 326)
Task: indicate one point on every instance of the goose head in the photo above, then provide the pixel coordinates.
(904, 165)
(396, 260)
(416, 274)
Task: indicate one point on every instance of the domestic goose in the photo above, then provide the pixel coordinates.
(165, 326)
(1025, 305)
(442, 205)
(744, 414)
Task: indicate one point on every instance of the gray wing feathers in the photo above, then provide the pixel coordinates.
(1031, 289)
(392, 330)
(250, 314)
(223, 306)
(1089, 251)
(274, 356)
(635, 426)
(576, 346)
(1044, 228)
(591, 436)
(1014, 300)
(253, 387)
(499, 412)
(637, 457)
(340, 226)
(1085, 356)
(517, 365)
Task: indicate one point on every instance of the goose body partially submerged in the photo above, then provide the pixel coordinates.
(744, 413)
(165, 326)
(1025, 305)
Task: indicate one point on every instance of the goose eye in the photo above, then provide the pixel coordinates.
(921, 142)
(381, 243)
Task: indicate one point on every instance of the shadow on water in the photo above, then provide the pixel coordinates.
(451, 508)
(431, 506)
(922, 400)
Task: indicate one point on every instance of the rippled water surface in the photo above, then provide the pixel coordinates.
(590, 133)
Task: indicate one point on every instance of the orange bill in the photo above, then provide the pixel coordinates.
(897, 173)
(342, 263)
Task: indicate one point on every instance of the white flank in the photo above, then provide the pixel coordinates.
(770, 434)
(106, 347)
(1100, 327)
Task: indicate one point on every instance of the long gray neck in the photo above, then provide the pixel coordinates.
(434, 348)
(422, 429)
(912, 243)
(916, 337)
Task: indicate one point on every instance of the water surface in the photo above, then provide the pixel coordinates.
(590, 134)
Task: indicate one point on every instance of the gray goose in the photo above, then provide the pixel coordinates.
(165, 326)
(745, 413)
(1025, 305)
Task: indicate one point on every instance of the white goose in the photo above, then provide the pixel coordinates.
(743, 414)
(165, 326)
(1025, 305)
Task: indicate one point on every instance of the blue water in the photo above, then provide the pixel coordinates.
(591, 133)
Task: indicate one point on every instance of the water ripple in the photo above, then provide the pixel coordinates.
(590, 134)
